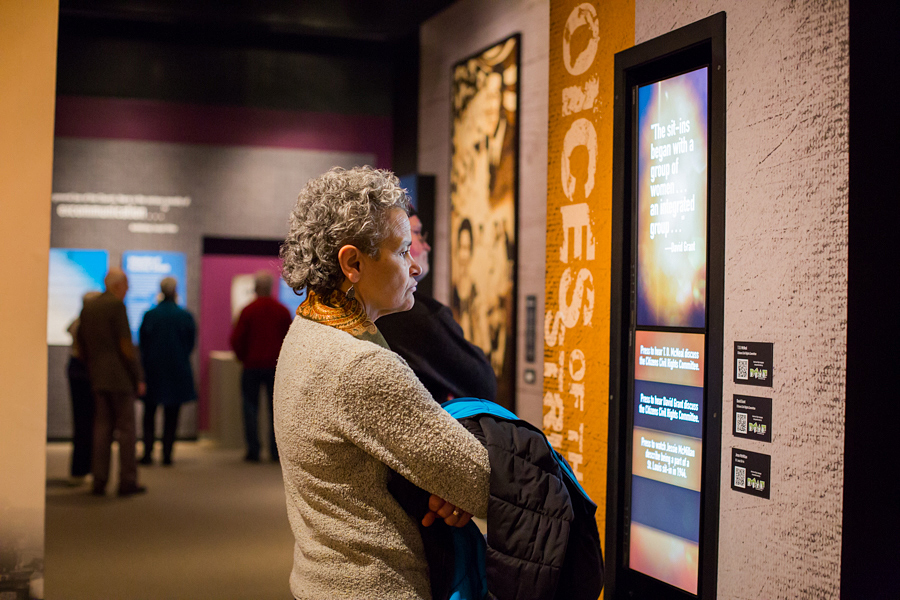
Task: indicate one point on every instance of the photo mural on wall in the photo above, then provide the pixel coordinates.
(483, 202)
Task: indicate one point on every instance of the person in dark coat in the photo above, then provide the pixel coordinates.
(104, 340)
(433, 344)
(82, 404)
(167, 337)
(256, 340)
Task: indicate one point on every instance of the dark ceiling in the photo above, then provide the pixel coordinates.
(312, 55)
(329, 25)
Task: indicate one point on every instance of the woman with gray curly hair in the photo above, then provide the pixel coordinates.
(350, 415)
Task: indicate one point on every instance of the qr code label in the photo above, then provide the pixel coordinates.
(743, 368)
(740, 422)
(740, 477)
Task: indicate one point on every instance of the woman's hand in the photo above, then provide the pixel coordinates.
(452, 516)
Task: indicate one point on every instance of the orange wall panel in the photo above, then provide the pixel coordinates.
(28, 72)
(584, 37)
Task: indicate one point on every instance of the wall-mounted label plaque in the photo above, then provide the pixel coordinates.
(753, 363)
(530, 328)
(753, 418)
(751, 472)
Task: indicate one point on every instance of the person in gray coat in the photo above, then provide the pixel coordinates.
(350, 413)
(167, 337)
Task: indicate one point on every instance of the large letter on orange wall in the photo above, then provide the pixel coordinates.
(584, 37)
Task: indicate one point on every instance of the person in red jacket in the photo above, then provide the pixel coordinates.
(256, 341)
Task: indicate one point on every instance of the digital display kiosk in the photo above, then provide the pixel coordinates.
(672, 173)
(666, 318)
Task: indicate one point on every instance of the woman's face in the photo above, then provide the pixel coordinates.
(420, 247)
(386, 284)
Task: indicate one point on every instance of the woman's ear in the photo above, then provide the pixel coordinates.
(349, 259)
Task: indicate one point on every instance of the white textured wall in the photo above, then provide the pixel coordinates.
(456, 33)
(786, 279)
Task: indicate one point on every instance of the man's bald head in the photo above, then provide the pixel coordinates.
(116, 281)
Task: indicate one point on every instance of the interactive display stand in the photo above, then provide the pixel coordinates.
(668, 247)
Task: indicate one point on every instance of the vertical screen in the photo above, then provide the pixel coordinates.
(670, 297)
(672, 201)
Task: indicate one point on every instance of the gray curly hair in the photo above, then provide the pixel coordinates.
(339, 207)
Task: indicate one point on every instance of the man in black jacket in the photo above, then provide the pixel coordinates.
(432, 342)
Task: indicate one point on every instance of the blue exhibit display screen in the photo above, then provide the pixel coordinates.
(73, 273)
(287, 296)
(145, 271)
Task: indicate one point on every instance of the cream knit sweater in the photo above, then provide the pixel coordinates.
(347, 411)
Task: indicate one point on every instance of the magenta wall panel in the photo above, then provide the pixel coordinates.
(215, 324)
(152, 120)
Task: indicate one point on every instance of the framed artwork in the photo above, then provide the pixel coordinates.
(483, 205)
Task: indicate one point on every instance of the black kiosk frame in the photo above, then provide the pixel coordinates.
(692, 338)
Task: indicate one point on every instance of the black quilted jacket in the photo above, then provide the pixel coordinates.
(542, 536)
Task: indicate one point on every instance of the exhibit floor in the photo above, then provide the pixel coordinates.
(211, 526)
